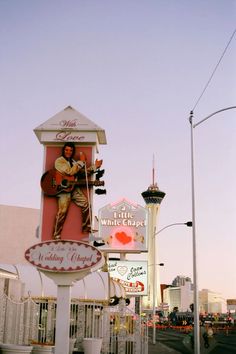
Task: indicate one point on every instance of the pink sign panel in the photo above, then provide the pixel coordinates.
(72, 226)
(63, 256)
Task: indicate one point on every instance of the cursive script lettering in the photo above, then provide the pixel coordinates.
(50, 256)
(76, 257)
(69, 123)
(136, 272)
(68, 136)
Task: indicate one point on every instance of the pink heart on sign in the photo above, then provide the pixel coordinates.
(122, 270)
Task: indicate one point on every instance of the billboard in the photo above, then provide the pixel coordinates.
(132, 275)
(123, 227)
(65, 182)
(72, 225)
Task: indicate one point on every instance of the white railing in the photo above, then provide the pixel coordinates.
(33, 321)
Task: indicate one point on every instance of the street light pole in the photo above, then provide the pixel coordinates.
(195, 279)
(195, 275)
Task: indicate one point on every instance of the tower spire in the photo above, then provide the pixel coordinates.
(153, 169)
(153, 195)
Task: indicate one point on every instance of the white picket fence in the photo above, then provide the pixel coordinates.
(33, 321)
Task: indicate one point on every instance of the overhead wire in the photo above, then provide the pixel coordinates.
(216, 67)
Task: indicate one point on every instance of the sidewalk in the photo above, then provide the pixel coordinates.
(160, 349)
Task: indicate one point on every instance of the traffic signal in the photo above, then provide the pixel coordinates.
(100, 191)
(98, 244)
(99, 174)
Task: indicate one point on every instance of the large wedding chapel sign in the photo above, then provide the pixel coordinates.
(123, 227)
(63, 256)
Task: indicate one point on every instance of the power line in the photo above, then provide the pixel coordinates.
(221, 57)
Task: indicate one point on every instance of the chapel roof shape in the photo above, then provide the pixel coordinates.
(70, 119)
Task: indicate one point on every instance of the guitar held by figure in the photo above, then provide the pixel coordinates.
(53, 182)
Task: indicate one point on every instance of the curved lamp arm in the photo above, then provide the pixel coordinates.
(188, 223)
(210, 115)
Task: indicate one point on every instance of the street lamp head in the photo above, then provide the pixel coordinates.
(161, 264)
(189, 223)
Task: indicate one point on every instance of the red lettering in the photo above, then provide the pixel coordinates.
(77, 258)
(67, 136)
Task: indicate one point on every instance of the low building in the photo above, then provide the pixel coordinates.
(19, 227)
(231, 305)
(211, 302)
(179, 296)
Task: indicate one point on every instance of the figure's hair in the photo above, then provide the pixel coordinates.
(70, 144)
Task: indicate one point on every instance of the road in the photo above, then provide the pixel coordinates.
(174, 341)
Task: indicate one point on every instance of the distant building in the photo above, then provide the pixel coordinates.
(19, 227)
(211, 302)
(163, 287)
(179, 296)
(231, 305)
(180, 280)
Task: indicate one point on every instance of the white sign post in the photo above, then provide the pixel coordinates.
(65, 262)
